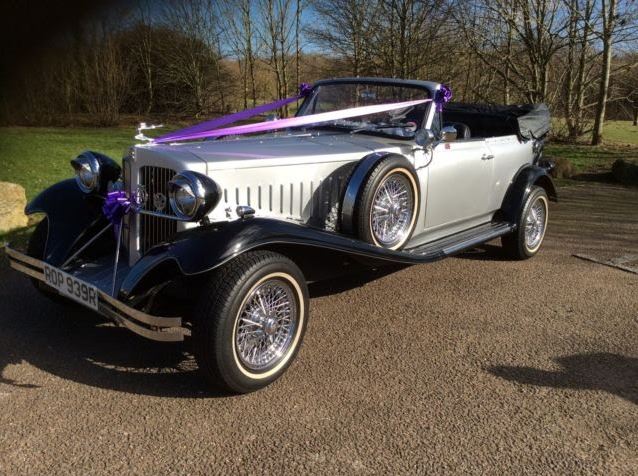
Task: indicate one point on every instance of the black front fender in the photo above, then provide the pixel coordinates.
(204, 248)
(70, 214)
(355, 186)
(520, 187)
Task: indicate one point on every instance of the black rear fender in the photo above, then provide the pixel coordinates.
(520, 188)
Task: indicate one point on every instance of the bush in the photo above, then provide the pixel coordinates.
(563, 168)
(625, 172)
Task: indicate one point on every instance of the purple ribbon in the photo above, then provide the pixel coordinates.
(184, 134)
(116, 205)
(443, 95)
(298, 121)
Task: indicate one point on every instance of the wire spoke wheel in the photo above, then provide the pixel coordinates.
(392, 210)
(535, 223)
(266, 325)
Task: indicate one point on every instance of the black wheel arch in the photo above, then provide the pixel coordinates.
(527, 177)
(72, 216)
(356, 184)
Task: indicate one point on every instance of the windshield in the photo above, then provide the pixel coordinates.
(397, 123)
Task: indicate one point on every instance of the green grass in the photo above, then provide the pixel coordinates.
(620, 142)
(614, 132)
(587, 159)
(36, 157)
(620, 132)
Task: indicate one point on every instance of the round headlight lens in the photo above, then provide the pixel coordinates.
(192, 195)
(87, 173)
(183, 199)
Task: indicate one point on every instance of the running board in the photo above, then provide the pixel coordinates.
(454, 244)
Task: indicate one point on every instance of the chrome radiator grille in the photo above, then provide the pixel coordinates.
(155, 229)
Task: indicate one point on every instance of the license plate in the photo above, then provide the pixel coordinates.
(71, 287)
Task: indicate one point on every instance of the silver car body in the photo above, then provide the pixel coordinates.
(462, 182)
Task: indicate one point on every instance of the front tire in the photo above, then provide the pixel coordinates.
(250, 321)
(388, 206)
(531, 226)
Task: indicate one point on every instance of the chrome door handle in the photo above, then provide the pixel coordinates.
(487, 157)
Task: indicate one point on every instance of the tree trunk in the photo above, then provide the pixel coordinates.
(635, 115)
(244, 81)
(608, 27)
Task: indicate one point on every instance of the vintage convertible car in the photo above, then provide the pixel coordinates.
(217, 239)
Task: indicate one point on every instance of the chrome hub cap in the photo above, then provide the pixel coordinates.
(535, 224)
(392, 209)
(267, 324)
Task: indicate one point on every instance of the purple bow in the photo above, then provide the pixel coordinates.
(443, 95)
(116, 205)
(304, 90)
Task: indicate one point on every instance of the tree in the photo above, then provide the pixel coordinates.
(517, 39)
(346, 30)
(609, 22)
(240, 32)
(277, 35)
(578, 66)
(194, 63)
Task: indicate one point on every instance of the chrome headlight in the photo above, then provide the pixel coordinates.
(87, 172)
(192, 195)
(93, 171)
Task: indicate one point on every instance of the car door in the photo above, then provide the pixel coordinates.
(510, 155)
(459, 187)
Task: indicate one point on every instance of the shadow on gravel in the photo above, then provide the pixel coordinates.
(342, 284)
(485, 252)
(75, 344)
(611, 373)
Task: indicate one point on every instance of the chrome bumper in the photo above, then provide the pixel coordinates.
(164, 329)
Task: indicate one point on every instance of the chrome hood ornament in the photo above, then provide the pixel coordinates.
(145, 127)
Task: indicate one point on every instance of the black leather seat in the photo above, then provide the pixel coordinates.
(462, 130)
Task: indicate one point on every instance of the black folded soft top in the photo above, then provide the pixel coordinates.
(528, 121)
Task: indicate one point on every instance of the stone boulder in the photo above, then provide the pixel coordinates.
(12, 203)
(563, 168)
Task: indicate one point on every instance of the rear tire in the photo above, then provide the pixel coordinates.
(531, 226)
(250, 321)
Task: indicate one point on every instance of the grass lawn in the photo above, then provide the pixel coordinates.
(620, 142)
(620, 132)
(37, 157)
(592, 159)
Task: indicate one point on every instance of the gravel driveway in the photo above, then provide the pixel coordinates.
(474, 364)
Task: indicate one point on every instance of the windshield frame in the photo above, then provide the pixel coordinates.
(428, 88)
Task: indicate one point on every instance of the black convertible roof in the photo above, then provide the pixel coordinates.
(528, 121)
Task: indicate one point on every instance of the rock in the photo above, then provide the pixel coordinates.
(563, 168)
(12, 203)
(625, 172)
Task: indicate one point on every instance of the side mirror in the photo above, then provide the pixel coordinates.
(449, 134)
(424, 137)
